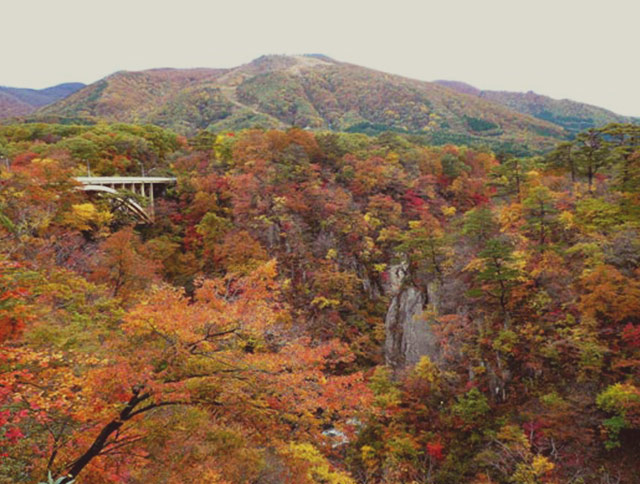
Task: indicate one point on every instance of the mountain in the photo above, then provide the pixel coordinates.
(311, 91)
(15, 101)
(571, 115)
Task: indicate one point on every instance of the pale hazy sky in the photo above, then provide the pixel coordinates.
(584, 50)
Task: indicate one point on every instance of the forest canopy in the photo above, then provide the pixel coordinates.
(319, 308)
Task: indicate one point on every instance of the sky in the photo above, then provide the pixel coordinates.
(583, 50)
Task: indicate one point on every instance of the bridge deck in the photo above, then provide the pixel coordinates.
(127, 180)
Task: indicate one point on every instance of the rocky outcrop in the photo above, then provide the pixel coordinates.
(408, 333)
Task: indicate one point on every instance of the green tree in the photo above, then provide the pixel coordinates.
(539, 211)
(425, 244)
(563, 156)
(624, 140)
(592, 154)
(479, 224)
(510, 175)
(498, 273)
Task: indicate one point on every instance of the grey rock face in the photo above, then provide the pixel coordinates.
(408, 334)
(397, 273)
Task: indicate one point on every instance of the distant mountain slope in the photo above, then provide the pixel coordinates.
(308, 91)
(12, 106)
(129, 96)
(16, 101)
(571, 115)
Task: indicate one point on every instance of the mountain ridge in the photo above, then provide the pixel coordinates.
(314, 91)
(309, 91)
(572, 115)
(17, 101)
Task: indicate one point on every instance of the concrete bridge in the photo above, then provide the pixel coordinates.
(118, 186)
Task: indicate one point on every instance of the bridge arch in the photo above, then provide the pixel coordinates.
(142, 186)
(130, 204)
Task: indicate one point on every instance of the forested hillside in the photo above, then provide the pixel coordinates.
(20, 102)
(571, 115)
(312, 92)
(318, 307)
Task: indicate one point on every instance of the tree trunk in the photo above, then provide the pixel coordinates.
(101, 440)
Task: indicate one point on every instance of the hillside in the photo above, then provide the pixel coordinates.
(571, 115)
(308, 91)
(16, 101)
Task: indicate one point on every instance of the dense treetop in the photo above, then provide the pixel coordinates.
(240, 337)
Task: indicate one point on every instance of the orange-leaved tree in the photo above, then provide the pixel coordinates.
(228, 357)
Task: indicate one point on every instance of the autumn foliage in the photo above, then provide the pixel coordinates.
(241, 337)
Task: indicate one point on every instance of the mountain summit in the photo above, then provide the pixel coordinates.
(309, 91)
